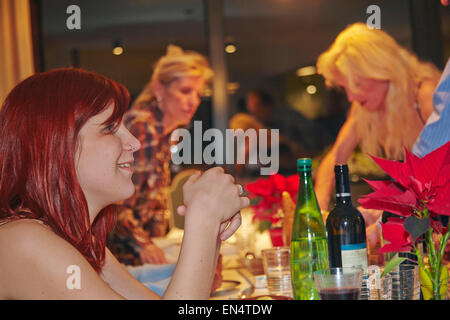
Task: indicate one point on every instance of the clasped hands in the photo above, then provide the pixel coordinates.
(216, 193)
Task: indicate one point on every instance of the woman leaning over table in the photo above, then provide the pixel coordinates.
(66, 157)
(391, 95)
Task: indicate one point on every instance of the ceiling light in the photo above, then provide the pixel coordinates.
(306, 71)
(311, 89)
(117, 49)
(230, 48)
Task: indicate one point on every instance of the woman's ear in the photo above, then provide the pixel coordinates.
(158, 90)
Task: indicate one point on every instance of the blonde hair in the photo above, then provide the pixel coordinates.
(176, 64)
(360, 52)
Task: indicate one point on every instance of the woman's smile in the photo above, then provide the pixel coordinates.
(126, 166)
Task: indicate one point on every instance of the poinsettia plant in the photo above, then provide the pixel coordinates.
(420, 195)
(266, 198)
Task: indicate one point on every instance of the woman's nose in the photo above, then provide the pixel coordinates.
(195, 100)
(132, 142)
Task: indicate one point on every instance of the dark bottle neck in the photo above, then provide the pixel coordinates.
(343, 195)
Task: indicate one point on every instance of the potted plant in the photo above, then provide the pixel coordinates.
(266, 202)
(420, 195)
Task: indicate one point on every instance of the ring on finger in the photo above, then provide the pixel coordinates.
(241, 190)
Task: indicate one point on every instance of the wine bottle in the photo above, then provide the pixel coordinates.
(308, 242)
(346, 229)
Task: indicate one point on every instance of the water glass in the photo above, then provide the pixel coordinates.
(277, 267)
(379, 289)
(245, 236)
(339, 283)
(405, 282)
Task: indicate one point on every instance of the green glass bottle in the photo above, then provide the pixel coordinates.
(309, 251)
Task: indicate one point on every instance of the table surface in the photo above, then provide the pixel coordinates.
(234, 266)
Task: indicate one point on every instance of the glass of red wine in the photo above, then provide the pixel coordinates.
(339, 283)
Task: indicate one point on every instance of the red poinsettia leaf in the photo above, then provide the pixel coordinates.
(419, 171)
(432, 164)
(444, 176)
(292, 183)
(441, 202)
(267, 202)
(417, 186)
(278, 182)
(259, 214)
(437, 226)
(261, 187)
(392, 193)
(389, 247)
(395, 233)
(397, 170)
(369, 203)
(274, 220)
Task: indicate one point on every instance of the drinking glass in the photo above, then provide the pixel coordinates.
(405, 282)
(375, 287)
(339, 283)
(380, 289)
(277, 267)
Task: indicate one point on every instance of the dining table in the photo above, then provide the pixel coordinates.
(242, 270)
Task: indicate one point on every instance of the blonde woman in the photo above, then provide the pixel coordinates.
(168, 101)
(391, 95)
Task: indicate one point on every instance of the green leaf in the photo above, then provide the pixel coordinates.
(416, 227)
(255, 201)
(264, 225)
(392, 265)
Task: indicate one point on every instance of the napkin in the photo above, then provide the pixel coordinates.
(156, 277)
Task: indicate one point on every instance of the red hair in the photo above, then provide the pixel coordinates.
(39, 125)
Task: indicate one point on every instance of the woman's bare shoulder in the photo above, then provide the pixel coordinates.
(25, 234)
(37, 264)
(425, 97)
(24, 246)
(426, 90)
(21, 231)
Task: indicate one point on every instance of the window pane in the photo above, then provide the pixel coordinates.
(143, 27)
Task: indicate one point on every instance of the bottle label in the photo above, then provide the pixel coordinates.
(354, 255)
(345, 194)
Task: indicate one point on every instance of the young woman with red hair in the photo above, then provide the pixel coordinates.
(65, 159)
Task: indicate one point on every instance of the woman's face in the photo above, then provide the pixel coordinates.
(181, 98)
(369, 93)
(104, 162)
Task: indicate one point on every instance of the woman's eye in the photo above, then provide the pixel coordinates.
(110, 128)
(186, 91)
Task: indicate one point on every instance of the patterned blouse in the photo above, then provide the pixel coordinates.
(145, 214)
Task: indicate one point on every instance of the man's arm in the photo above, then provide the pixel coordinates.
(436, 131)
